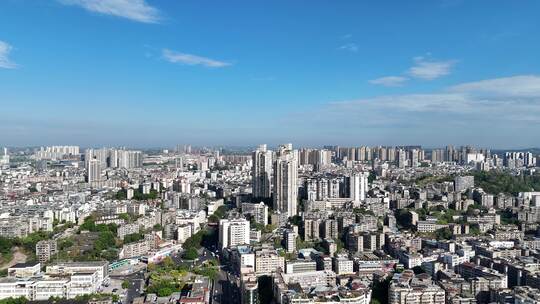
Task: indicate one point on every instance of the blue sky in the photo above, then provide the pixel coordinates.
(156, 73)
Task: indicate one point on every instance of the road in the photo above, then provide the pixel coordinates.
(226, 290)
(204, 255)
(136, 285)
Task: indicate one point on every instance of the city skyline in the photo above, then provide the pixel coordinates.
(155, 73)
(269, 152)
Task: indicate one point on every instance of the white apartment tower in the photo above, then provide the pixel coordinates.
(5, 158)
(290, 240)
(233, 232)
(358, 186)
(94, 171)
(286, 180)
(414, 158)
(261, 172)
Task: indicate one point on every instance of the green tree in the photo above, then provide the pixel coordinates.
(296, 220)
(88, 224)
(133, 237)
(125, 217)
(403, 218)
(269, 228)
(443, 233)
(165, 292)
(168, 262)
(190, 254)
(19, 300)
(496, 182)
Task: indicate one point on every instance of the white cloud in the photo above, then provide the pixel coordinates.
(5, 62)
(430, 69)
(389, 81)
(351, 47)
(516, 87)
(423, 69)
(438, 102)
(136, 10)
(188, 59)
(501, 100)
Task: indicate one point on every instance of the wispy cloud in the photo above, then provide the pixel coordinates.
(390, 81)
(430, 69)
(136, 10)
(426, 69)
(5, 62)
(523, 86)
(351, 47)
(511, 99)
(189, 59)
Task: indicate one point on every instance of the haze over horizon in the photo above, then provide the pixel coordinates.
(157, 73)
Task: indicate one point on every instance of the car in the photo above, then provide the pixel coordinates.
(115, 290)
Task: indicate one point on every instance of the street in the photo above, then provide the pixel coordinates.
(225, 289)
(135, 288)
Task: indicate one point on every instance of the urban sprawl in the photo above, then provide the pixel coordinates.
(356, 225)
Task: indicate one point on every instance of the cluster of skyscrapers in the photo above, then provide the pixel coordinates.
(275, 176)
(97, 160)
(115, 158)
(56, 152)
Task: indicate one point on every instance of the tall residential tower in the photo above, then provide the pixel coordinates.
(286, 180)
(261, 172)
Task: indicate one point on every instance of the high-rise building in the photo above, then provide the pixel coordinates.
(450, 154)
(258, 212)
(261, 172)
(233, 232)
(401, 158)
(289, 237)
(179, 163)
(437, 156)
(391, 154)
(414, 158)
(93, 171)
(358, 186)
(57, 152)
(286, 180)
(101, 155)
(130, 159)
(311, 229)
(5, 158)
(114, 158)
